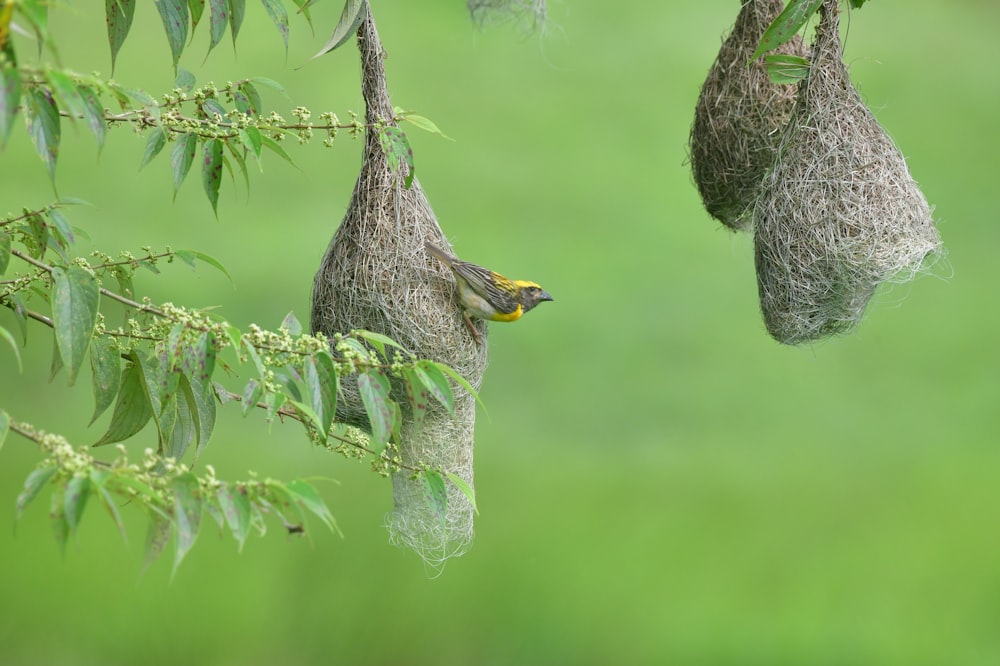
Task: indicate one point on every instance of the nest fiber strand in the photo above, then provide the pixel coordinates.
(739, 118)
(376, 275)
(839, 214)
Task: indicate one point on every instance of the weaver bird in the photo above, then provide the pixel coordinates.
(488, 295)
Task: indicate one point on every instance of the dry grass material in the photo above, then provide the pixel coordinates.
(528, 14)
(739, 118)
(376, 275)
(839, 213)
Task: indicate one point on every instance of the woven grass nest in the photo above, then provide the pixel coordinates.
(739, 117)
(839, 213)
(376, 275)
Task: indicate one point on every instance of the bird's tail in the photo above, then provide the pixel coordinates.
(440, 254)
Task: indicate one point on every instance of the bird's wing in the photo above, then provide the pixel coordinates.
(501, 293)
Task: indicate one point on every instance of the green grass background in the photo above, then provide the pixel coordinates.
(659, 481)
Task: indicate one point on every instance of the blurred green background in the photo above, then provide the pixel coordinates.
(659, 481)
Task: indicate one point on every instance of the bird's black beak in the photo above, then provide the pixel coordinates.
(544, 296)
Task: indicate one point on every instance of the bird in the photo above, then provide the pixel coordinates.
(485, 294)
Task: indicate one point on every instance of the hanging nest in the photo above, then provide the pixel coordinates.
(839, 214)
(376, 275)
(739, 118)
(529, 14)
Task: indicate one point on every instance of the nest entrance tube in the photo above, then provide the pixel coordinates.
(376, 275)
(839, 213)
(739, 117)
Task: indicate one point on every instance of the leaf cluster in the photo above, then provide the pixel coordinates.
(162, 365)
(165, 368)
(784, 68)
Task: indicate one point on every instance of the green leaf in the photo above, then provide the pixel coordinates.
(788, 23)
(181, 158)
(253, 101)
(350, 20)
(418, 396)
(218, 22)
(128, 96)
(4, 426)
(10, 99)
(65, 90)
(211, 171)
(305, 494)
(199, 362)
(290, 323)
(274, 402)
(251, 138)
(379, 341)
(61, 229)
(6, 335)
(174, 14)
(154, 144)
(185, 80)
(187, 425)
(97, 480)
(187, 514)
(279, 17)
(20, 315)
(303, 6)
(75, 501)
(205, 409)
(57, 361)
(270, 83)
(212, 107)
(38, 234)
(786, 69)
(133, 408)
(211, 507)
(105, 365)
(131, 488)
(459, 379)
(466, 489)
(161, 384)
(437, 494)
(425, 124)
(189, 257)
(374, 388)
(36, 13)
(42, 117)
(118, 15)
(157, 535)
(93, 113)
(398, 152)
(197, 8)
(32, 486)
(282, 502)
(75, 298)
(236, 508)
(57, 514)
(251, 395)
(239, 156)
(237, 9)
(321, 383)
(5, 252)
(309, 416)
(274, 147)
(431, 376)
